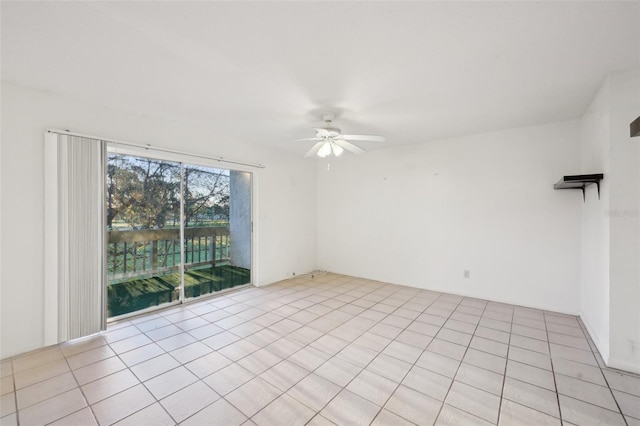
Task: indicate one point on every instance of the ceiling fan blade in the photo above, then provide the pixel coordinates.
(314, 150)
(372, 138)
(348, 146)
(307, 139)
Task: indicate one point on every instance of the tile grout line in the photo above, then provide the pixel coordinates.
(506, 366)
(423, 351)
(453, 379)
(305, 290)
(305, 346)
(213, 350)
(398, 307)
(181, 307)
(624, 417)
(553, 373)
(127, 367)
(80, 389)
(15, 393)
(585, 402)
(522, 381)
(379, 321)
(258, 375)
(131, 387)
(15, 389)
(412, 365)
(364, 368)
(379, 352)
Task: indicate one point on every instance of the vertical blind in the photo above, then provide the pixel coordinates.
(81, 270)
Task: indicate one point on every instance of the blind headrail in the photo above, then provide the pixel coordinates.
(156, 148)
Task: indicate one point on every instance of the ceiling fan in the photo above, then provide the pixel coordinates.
(331, 140)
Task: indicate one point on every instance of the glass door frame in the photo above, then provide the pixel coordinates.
(184, 159)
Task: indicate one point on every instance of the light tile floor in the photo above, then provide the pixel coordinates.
(325, 350)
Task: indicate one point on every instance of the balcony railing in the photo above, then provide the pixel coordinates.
(144, 252)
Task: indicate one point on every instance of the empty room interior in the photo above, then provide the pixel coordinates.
(320, 213)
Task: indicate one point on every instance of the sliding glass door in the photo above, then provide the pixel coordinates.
(211, 263)
(176, 231)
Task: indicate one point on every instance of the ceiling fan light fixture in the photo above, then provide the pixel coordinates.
(330, 140)
(324, 150)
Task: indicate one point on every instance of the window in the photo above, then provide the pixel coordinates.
(175, 231)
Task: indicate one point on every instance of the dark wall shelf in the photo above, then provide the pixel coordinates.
(579, 182)
(634, 127)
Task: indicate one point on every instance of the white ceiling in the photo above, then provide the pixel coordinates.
(263, 72)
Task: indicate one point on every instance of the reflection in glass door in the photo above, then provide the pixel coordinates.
(175, 231)
(213, 200)
(143, 228)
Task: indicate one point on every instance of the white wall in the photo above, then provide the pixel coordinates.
(624, 223)
(594, 289)
(611, 229)
(284, 215)
(420, 215)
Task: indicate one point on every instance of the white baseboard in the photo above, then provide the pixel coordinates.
(603, 347)
(624, 365)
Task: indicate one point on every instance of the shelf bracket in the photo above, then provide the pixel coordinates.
(580, 182)
(584, 188)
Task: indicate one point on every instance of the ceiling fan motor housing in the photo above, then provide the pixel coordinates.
(332, 131)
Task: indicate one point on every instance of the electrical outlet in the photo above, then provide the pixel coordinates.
(466, 273)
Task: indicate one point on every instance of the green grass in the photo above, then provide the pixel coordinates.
(141, 293)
